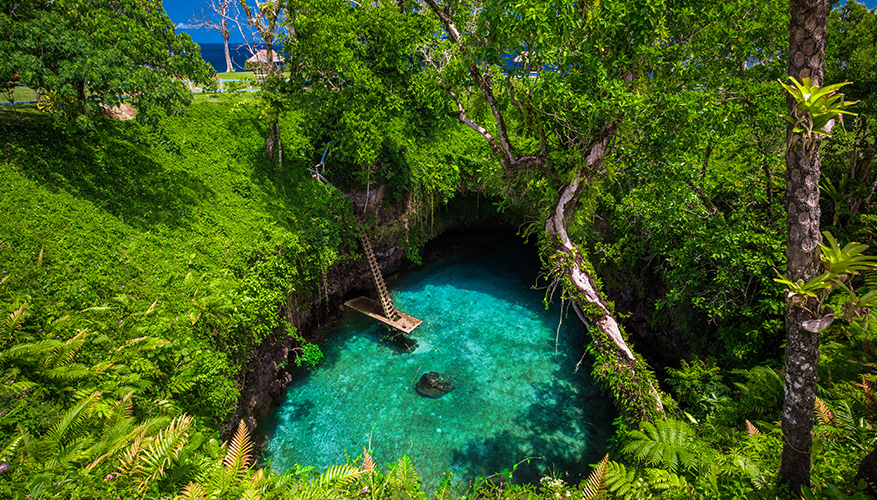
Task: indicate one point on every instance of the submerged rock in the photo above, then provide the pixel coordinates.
(434, 385)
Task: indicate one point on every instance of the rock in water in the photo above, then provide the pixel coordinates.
(434, 385)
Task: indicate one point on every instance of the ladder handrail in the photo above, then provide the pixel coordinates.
(377, 276)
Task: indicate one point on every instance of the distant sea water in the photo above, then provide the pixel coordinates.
(214, 53)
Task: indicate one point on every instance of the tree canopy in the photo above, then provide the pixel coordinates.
(92, 53)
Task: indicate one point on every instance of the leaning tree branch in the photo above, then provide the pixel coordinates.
(482, 80)
(571, 266)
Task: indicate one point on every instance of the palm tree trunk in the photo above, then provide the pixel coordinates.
(807, 31)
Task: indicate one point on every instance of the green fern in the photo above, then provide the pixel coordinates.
(752, 469)
(624, 484)
(255, 486)
(118, 431)
(10, 449)
(14, 322)
(824, 415)
(68, 373)
(238, 458)
(445, 489)
(402, 480)
(666, 444)
(661, 480)
(339, 475)
(72, 421)
(193, 491)
(147, 458)
(19, 387)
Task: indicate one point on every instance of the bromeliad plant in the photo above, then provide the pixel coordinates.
(815, 108)
(840, 264)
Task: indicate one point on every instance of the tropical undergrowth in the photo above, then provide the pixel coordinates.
(189, 222)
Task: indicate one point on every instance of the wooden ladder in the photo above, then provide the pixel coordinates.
(378, 277)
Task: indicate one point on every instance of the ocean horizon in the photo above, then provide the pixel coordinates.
(214, 54)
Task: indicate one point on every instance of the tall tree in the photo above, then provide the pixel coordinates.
(264, 19)
(568, 116)
(216, 16)
(353, 68)
(101, 52)
(807, 36)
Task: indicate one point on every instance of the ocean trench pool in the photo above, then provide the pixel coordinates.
(487, 328)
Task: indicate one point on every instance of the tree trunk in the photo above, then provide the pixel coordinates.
(228, 66)
(630, 378)
(807, 30)
(273, 138)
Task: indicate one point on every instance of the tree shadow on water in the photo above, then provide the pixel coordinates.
(562, 434)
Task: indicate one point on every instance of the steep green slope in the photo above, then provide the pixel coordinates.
(191, 217)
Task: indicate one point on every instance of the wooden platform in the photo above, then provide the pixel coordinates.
(372, 308)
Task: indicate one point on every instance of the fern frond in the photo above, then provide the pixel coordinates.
(664, 480)
(869, 390)
(595, 487)
(340, 475)
(39, 350)
(55, 327)
(749, 467)
(445, 490)
(624, 484)
(255, 486)
(146, 343)
(117, 432)
(161, 449)
(73, 450)
(249, 494)
(179, 385)
(237, 459)
(823, 414)
(751, 429)
(124, 407)
(130, 459)
(19, 387)
(72, 420)
(664, 444)
(844, 417)
(166, 407)
(14, 322)
(11, 447)
(368, 465)
(71, 372)
(66, 352)
(193, 491)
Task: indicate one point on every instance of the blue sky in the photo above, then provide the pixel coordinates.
(181, 10)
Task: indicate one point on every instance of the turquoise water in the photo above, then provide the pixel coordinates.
(484, 325)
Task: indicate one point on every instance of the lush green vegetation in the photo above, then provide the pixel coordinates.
(143, 263)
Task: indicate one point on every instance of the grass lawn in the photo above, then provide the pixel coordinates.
(20, 94)
(235, 75)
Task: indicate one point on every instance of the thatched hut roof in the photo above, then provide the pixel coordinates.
(261, 57)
